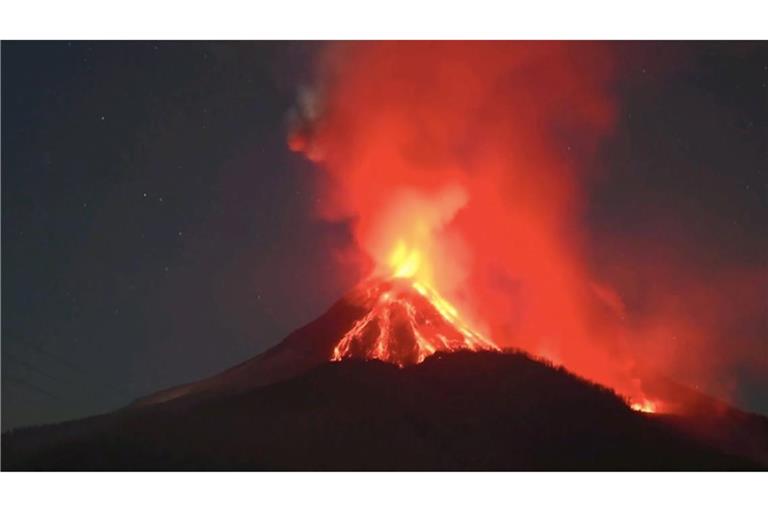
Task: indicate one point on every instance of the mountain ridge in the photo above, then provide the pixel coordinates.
(472, 411)
(292, 407)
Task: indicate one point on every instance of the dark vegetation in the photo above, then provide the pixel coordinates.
(464, 411)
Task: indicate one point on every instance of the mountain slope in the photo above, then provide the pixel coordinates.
(471, 411)
(394, 320)
(305, 348)
(292, 408)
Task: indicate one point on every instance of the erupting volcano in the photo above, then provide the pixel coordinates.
(407, 321)
(452, 167)
(487, 307)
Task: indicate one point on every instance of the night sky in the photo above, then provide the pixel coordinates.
(156, 229)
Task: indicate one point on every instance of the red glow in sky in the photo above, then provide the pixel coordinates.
(477, 156)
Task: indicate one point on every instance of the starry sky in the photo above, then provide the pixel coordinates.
(156, 229)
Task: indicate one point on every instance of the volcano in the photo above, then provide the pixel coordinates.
(396, 320)
(391, 377)
(406, 322)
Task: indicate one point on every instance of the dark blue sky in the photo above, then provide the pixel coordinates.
(155, 226)
(156, 229)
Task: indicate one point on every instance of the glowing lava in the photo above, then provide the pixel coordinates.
(645, 406)
(407, 319)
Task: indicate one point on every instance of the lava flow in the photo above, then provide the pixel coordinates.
(407, 320)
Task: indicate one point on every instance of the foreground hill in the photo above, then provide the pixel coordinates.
(461, 411)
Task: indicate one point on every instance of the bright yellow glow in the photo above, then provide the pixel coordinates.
(645, 406)
(408, 263)
(403, 261)
(431, 334)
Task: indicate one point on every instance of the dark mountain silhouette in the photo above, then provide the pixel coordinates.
(313, 344)
(291, 409)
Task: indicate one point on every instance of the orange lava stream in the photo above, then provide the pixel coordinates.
(407, 320)
(401, 329)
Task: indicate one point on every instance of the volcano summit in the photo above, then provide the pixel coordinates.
(406, 322)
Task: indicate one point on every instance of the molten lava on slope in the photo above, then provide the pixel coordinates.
(406, 322)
